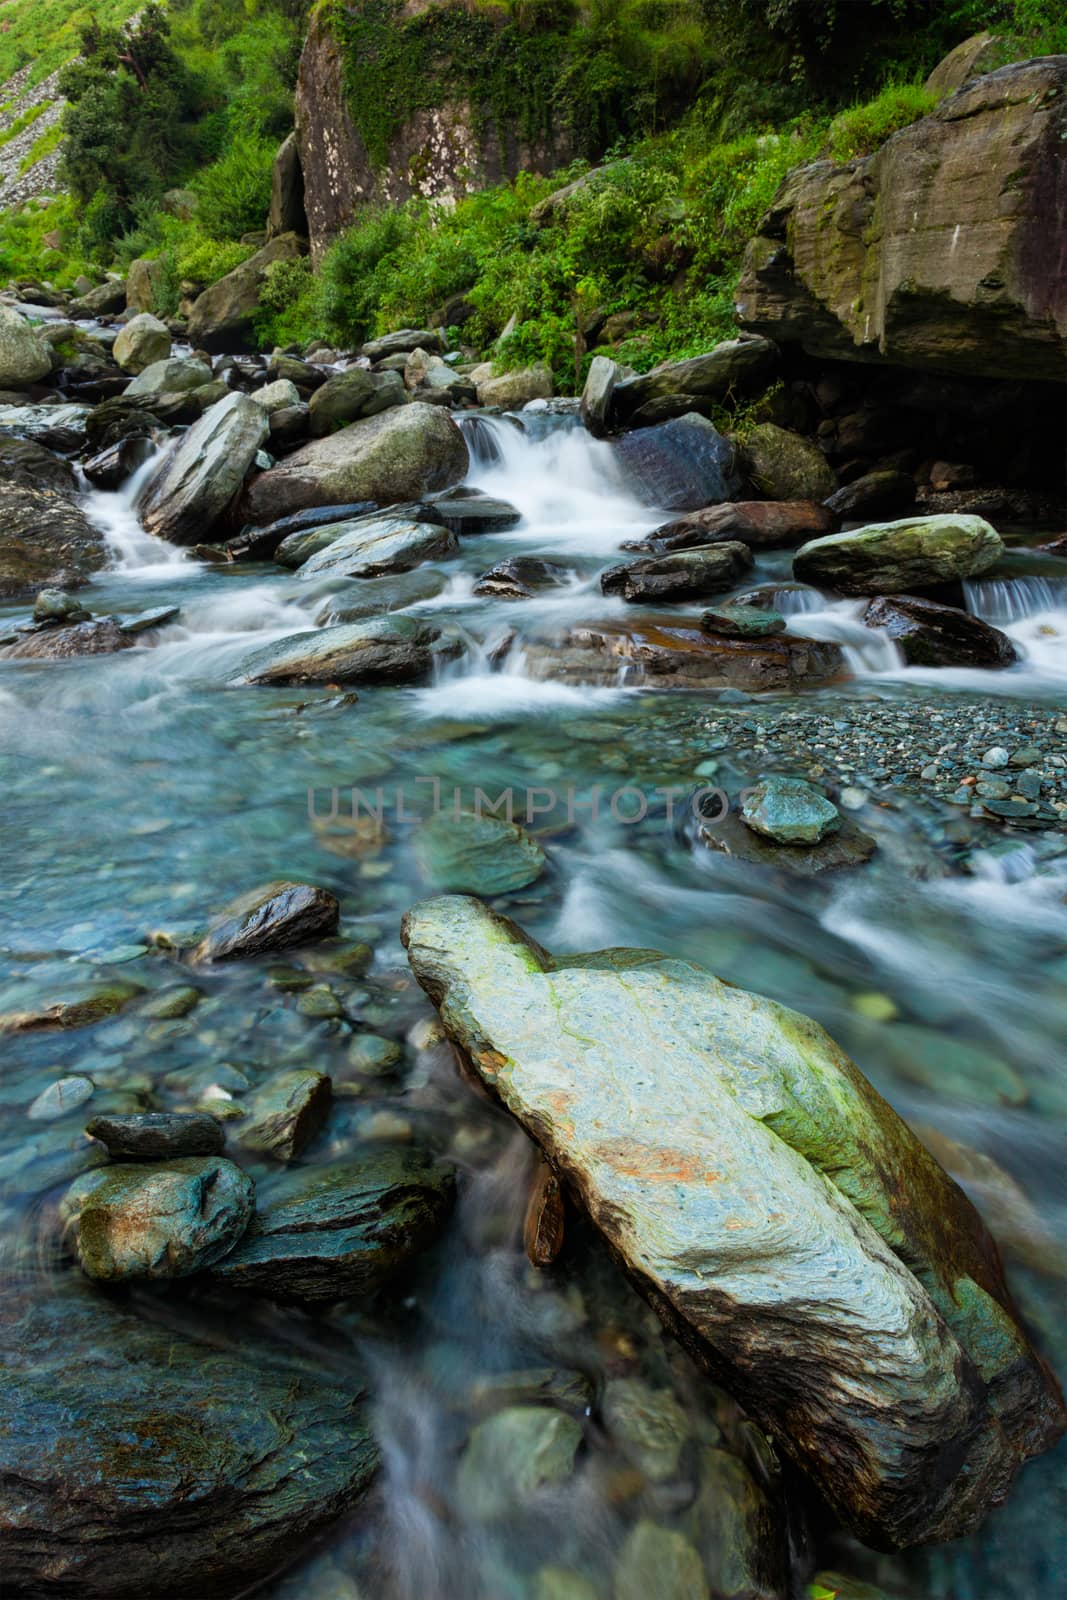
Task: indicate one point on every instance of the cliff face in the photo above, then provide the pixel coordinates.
(433, 150)
(945, 250)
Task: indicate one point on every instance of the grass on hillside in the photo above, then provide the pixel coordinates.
(46, 32)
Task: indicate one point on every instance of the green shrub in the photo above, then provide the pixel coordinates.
(235, 190)
(862, 128)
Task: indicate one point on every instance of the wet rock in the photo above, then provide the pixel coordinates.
(191, 488)
(436, 382)
(259, 544)
(142, 342)
(309, 537)
(649, 1424)
(761, 524)
(597, 395)
(181, 375)
(285, 1113)
(80, 1007)
(848, 847)
(661, 1562)
(110, 468)
(143, 1221)
(373, 596)
(876, 494)
(158, 1135)
(476, 853)
(789, 811)
(753, 1211)
(377, 546)
(513, 1455)
(783, 466)
(404, 453)
(148, 621)
(351, 395)
(45, 541)
(25, 358)
(95, 638)
(275, 916)
(403, 341)
(742, 622)
(222, 318)
(60, 1098)
(683, 575)
(738, 1529)
(665, 653)
(544, 1222)
(898, 557)
(520, 577)
(932, 635)
(61, 427)
(470, 514)
(341, 1231)
(30, 466)
(55, 606)
(738, 366)
(514, 389)
(679, 465)
(390, 649)
(173, 1461)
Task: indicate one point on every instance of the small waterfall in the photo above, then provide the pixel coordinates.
(867, 651)
(114, 512)
(483, 443)
(1004, 600)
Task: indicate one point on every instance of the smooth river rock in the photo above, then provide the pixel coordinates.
(896, 557)
(782, 1220)
(681, 575)
(932, 635)
(284, 1114)
(146, 1454)
(401, 454)
(332, 1232)
(136, 1220)
(192, 487)
(390, 649)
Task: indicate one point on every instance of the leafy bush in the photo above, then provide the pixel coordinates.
(862, 128)
(235, 190)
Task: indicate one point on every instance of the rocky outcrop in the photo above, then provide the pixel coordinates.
(401, 454)
(222, 317)
(45, 541)
(738, 367)
(172, 1459)
(287, 214)
(945, 250)
(436, 150)
(777, 1214)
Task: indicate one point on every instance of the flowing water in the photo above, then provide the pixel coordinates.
(144, 789)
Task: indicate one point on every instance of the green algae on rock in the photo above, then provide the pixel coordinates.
(775, 1211)
(899, 557)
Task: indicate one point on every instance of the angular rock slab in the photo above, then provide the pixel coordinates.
(328, 1233)
(138, 1458)
(765, 1199)
(193, 487)
(273, 917)
(379, 546)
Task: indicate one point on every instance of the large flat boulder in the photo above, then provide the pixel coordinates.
(45, 542)
(778, 1215)
(222, 318)
(896, 557)
(192, 487)
(401, 454)
(945, 249)
(142, 1454)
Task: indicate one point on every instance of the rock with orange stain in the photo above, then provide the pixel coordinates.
(542, 1233)
(779, 1216)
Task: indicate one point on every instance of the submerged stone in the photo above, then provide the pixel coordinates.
(284, 1114)
(788, 1225)
(742, 622)
(477, 854)
(512, 1455)
(789, 810)
(661, 1562)
(139, 1221)
(335, 1232)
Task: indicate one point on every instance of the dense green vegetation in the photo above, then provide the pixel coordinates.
(47, 32)
(702, 105)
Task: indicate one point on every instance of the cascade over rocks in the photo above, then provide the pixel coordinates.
(176, 1458)
(192, 487)
(401, 454)
(766, 1213)
(946, 249)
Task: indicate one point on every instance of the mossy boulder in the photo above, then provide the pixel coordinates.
(897, 557)
(783, 466)
(783, 1221)
(223, 317)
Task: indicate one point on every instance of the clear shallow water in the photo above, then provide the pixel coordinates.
(145, 789)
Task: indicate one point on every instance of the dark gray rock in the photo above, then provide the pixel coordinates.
(192, 487)
(111, 467)
(520, 577)
(403, 341)
(31, 466)
(473, 514)
(932, 635)
(101, 637)
(143, 1455)
(683, 575)
(333, 1232)
(259, 544)
(679, 465)
(377, 546)
(877, 494)
(275, 916)
(149, 1135)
